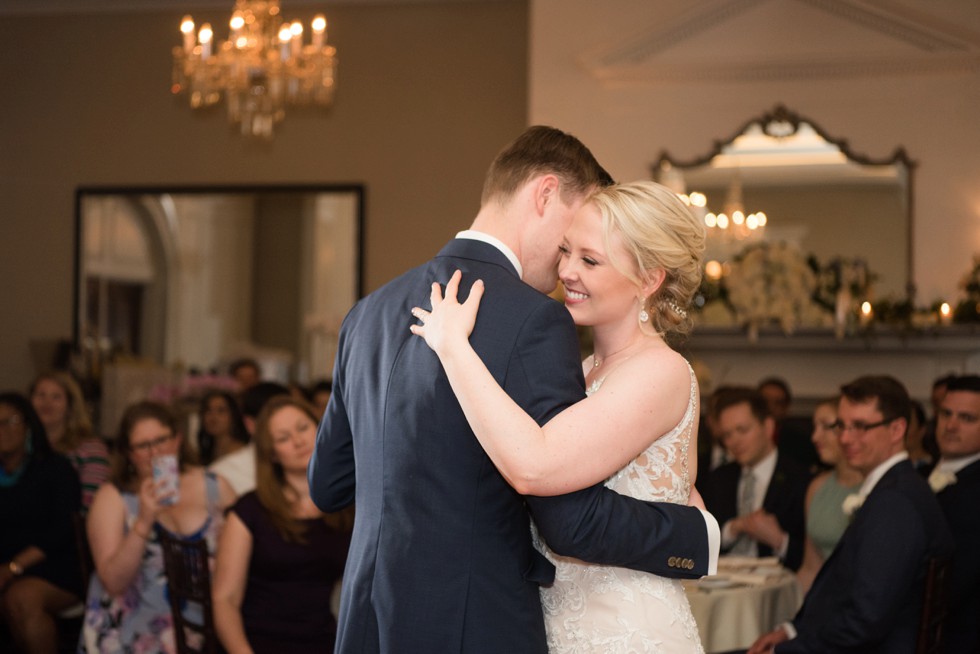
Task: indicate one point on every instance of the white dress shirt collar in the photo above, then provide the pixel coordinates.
(495, 242)
(955, 465)
(879, 471)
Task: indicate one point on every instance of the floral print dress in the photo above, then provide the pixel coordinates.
(138, 620)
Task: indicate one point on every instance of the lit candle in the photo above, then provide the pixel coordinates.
(866, 313)
(319, 31)
(284, 37)
(187, 28)
(237, 23)
(296, 29)
(204, 36)
(945, 313)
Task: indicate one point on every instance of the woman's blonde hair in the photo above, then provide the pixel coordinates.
(78, 424)
(271, 487)
(660, 233)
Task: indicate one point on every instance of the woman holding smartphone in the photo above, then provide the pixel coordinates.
(127, 607)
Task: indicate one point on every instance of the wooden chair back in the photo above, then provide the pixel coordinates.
(934, 608)
(189, 583)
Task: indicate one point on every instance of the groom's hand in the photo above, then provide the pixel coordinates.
(766, 643)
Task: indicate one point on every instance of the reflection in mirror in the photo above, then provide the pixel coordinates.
(781, 178)
(188, 279)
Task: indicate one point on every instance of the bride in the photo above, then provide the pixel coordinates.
(630, 264)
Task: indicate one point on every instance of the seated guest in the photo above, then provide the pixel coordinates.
(238, 468)
(127, 609)
(957, 482)
(61, 407)
(222, 428)
(279, 556)
(923, 457)
(246, 373)
(39, 492)
(868, 595)
(825, 517)
(757, 498)
(711, 452)
(320, 394)
(792, 435)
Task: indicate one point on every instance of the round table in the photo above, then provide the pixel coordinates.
(732, 612)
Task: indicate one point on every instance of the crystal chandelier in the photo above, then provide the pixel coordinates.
(262, 67)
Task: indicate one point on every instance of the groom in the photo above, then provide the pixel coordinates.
(441, 557)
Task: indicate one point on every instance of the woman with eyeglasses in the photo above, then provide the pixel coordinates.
(127, 608)
(39, 492)
(825, 517)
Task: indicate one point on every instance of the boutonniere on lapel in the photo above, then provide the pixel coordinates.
(940, 479)
(852, 503)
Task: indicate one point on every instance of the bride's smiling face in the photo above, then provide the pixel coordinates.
(596, 292)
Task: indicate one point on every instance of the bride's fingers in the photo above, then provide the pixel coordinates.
(476, 292)
(452, 286)
(435, 295)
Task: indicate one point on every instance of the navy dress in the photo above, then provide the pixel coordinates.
(286, 608)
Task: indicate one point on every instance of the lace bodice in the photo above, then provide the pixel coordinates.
(592, 608)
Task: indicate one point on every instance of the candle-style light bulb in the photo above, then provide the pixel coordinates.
(187, 29)
(296, 30)
(319, 26)
(285, 35)
(205, 36)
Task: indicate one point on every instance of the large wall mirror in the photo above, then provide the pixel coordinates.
(813, 191)
(190, 278)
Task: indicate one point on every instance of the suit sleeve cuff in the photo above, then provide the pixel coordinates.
(783, 548)
(789, 629)
(714, 541)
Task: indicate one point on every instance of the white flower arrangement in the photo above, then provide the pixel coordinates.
(940, 479)
(772, 282)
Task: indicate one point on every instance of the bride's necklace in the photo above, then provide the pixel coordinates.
(598, 361)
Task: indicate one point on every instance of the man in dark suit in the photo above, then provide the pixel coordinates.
(758, 499)
(956, 480)
(868, 595)
(441, 558)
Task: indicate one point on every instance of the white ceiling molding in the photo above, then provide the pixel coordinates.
(771, 40)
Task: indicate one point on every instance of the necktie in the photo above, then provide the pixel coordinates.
(746, 505)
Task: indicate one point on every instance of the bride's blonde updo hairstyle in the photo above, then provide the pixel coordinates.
(660, 233)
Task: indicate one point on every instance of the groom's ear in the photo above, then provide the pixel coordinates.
(545, 190)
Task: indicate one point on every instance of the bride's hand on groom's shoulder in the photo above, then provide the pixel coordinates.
(449, 323)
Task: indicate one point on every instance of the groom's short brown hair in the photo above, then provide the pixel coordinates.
(542, 150)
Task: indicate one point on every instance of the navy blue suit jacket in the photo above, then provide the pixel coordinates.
(785, 499)
(960, 503)
(867, 597)
(441, 557)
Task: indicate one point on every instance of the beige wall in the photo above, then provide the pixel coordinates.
(690, 82)
(427, 94)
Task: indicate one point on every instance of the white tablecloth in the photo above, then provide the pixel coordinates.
(736, 607)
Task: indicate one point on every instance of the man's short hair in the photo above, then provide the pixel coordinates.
(238, 364)
(542, 150)
(892, 398)
(730, 396)
(969, 383)
(779, 383)
(254, 398)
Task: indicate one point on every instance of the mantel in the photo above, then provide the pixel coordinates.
(815, 362)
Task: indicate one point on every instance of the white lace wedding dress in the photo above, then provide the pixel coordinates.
(592, 609)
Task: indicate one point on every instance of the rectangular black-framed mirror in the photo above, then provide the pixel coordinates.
(187, 278)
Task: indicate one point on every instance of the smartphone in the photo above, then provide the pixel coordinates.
(166, 479)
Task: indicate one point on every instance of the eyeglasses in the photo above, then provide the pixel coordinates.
(12, 421)
(145, 447)
(859, 428)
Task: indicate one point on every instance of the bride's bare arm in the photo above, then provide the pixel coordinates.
(581, 446)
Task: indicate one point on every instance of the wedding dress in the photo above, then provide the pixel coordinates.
(593, 608)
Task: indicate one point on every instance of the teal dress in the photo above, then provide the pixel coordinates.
(826, 522)
(138, 621)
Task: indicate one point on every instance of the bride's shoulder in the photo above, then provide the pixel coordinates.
(664, 361)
